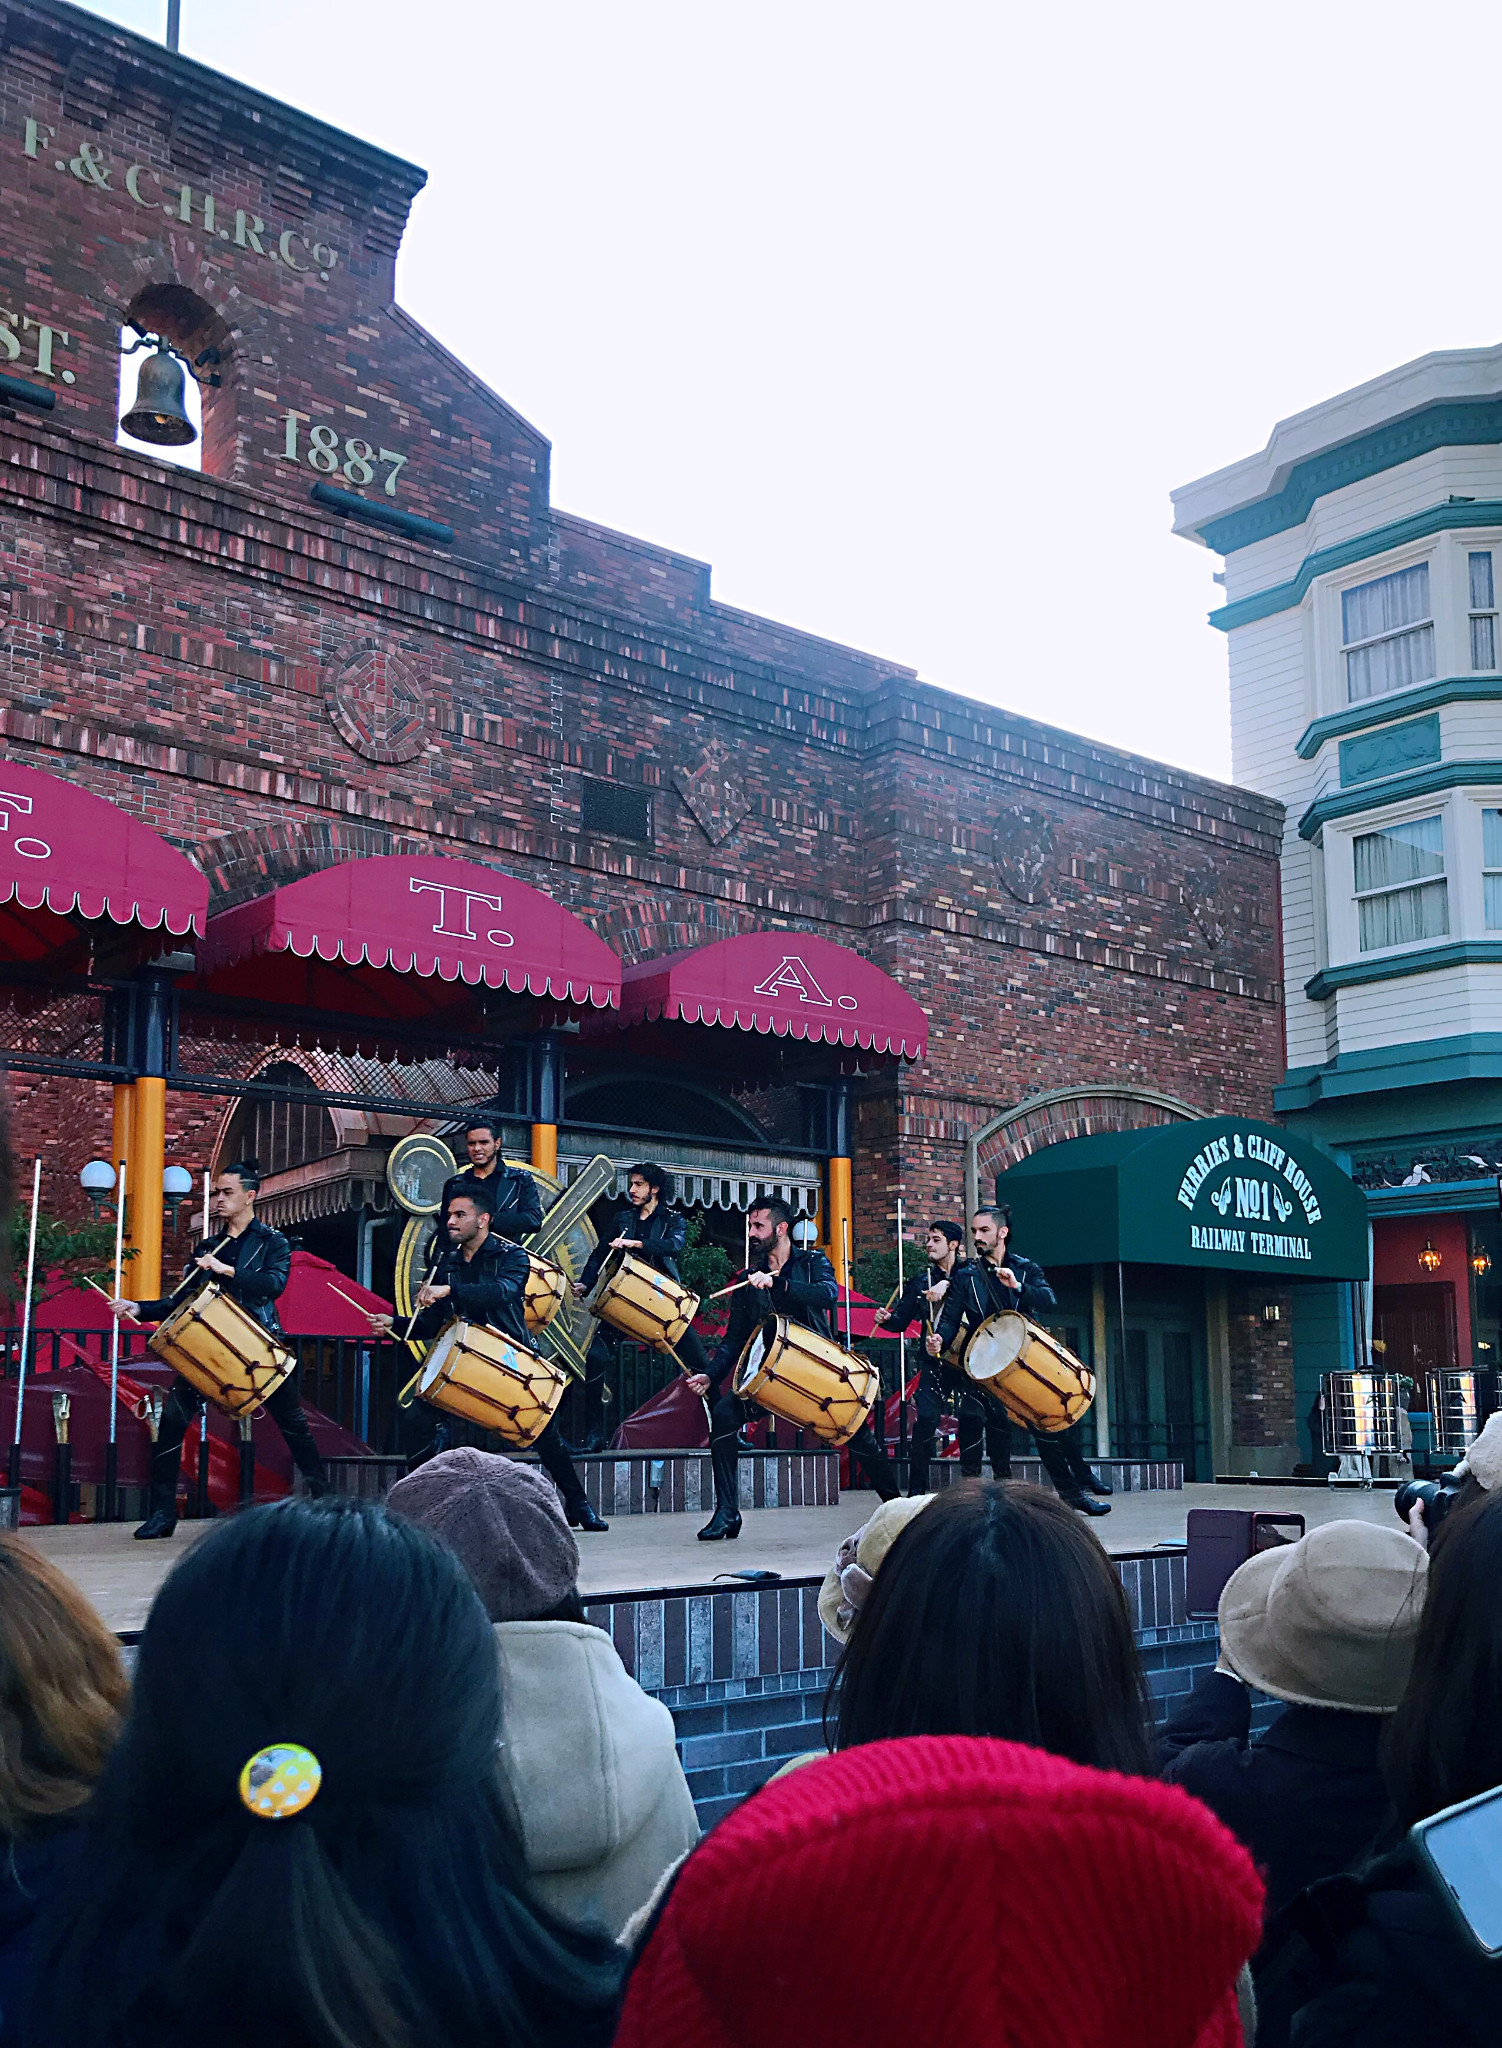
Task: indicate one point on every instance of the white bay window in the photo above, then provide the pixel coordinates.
(1387, 633)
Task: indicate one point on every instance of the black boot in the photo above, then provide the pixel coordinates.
(1091, 1482)
(723, 1526)
(1085, 1504)
(160, 1522)
(582, 1516)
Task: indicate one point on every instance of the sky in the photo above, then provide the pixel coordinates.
(907, 319)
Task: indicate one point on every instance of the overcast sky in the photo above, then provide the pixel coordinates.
(907, 319)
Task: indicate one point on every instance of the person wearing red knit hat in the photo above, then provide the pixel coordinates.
(952, 1889)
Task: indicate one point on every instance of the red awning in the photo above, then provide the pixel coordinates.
(63, 849)
(321, 1302)
(790, 983)
(426, 916)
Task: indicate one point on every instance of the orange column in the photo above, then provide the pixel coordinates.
(839, 1220)
(545, 1149)
(147, 1156)
(120, 1131)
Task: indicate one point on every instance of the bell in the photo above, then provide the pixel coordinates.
(159, 415)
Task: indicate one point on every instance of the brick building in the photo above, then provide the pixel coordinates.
(362, 630)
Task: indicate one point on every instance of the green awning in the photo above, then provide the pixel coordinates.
(1216, 1191)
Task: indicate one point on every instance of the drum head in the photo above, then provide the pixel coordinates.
(438, 1357)
(751, 1358)
(995, 1345)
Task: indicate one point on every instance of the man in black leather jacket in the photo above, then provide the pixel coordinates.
(252, 1264)
(651, 1231)
(783, 1281)
(981, 1420)
(481, 1277)
(994, 1281)
(514, 1196)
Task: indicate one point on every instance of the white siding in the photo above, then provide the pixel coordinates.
(1420, 1006)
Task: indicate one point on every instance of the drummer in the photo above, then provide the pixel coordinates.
(252, 1264)
(482, 1277)
(652, 1232)
(515, 1199)
(990, 1284)
(784, 1279)
(980, 1419)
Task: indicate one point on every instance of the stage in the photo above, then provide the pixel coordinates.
(647, 1555)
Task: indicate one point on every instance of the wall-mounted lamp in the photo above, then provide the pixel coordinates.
(1429, 1258)
(177, 1184)
(1272, 1311)
(1481, 1261)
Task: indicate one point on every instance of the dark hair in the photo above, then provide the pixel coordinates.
(1002, 1211)
(247, 1172)
(996, 1612)
(482, 1123)
(953, 1231)
(774, 1207)
(652, 1174)
(394, 1909)
(1445, 1741)
(482, 1199)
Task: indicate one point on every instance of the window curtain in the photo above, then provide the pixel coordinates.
(1387, 861)
(1491, 860)
(1388, 606)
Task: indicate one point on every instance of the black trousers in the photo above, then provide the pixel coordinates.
(603, 1353)
(552, 1451)
(182, 1406)
(727, 1415)
(1062, 1455)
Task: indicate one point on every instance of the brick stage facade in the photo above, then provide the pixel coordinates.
(274, 683)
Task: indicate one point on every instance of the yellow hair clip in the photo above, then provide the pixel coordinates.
(280, 1780)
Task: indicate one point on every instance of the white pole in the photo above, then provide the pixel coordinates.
(845, 1246)
(205, 1208)
(31, 1263)
(901, 1340)
(119, 1283)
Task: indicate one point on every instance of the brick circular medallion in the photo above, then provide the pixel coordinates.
(378, 702)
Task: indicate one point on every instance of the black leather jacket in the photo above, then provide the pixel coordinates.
(976, 1291)
(910, 1306)
(262, 1259)
(490, 1288)
(805, 1291)
(663, 1235)
(518, 1203)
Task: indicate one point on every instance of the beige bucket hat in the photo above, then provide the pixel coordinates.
(1329, 1621)
(848, 1580)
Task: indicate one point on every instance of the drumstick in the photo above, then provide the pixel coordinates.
(104, 1291)
(734, 1288)
(351, 1300)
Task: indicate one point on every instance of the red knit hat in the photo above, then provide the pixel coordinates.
(952, 1889)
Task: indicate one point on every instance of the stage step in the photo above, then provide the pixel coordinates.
(682, 1482)
(1127, 1475)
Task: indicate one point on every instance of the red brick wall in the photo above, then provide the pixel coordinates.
(274, 687)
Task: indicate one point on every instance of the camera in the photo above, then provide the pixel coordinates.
(1435, 1496)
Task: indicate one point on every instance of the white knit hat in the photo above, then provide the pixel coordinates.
(1483, 1461)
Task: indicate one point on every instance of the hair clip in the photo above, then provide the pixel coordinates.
(280, 1781)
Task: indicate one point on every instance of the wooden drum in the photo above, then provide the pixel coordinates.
(222, 1350)
(547, 1290)
(1036, 1379)
(636, 1299)
(807, 1379)
(475, 1372)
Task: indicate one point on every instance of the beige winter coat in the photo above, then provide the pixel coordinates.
(590, 1759)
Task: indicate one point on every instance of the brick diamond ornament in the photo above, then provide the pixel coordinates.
(378, 703)
(716, 800)
(1022, 847)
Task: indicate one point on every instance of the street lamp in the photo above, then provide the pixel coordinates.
(97, 1180)
(177, 1183)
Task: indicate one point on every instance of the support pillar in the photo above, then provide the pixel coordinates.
(1100, 1352)
(839, 1216)
(147, 1120)
(547, 1102)
(120, 1131)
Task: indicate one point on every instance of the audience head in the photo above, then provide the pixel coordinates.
(847, 1583)
(504, 1523)
(1479, 1471)
(1331, 1620)
(952, 1890)
(1445, 1741)
(388, 1907)
(996, 1612)
(62, 1691)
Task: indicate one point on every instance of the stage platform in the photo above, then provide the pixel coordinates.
(653, 1554)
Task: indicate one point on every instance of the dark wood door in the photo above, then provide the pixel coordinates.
(1415, 1326)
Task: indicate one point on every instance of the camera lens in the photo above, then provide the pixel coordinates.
(1415, 1493)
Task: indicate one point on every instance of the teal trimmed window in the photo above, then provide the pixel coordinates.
(1491, 867)
(1387, 633)
(1402, 897)
(1483, 611)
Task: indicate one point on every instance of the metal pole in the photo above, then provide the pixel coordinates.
(14, 1475)
(902, 1439)
(174, 23)
(206, 1208)
(112, 1455)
